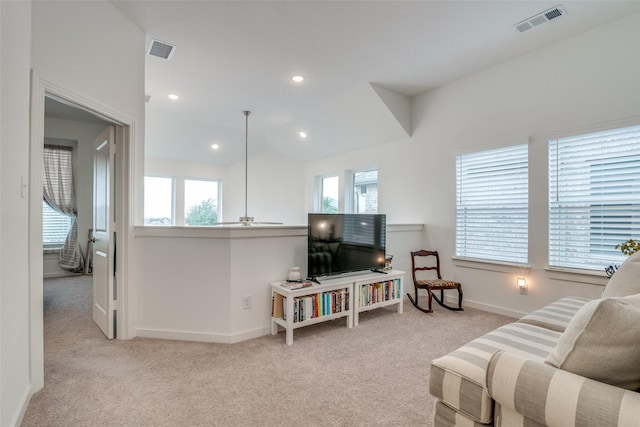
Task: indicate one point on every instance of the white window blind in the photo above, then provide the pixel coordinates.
(55, 226)
(492, 204)
(594, 197)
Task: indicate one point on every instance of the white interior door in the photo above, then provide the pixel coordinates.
(103, 232)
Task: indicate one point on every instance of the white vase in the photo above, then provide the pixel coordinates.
(294, 273)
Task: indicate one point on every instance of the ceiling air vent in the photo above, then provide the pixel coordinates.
(161, 49)
(540, 18)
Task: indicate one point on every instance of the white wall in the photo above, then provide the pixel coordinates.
(90, 53)
(274, 184)
(84, 134)
(92, 50)
(195, 277)
(586, 80)
(15, 45)
(399, 197)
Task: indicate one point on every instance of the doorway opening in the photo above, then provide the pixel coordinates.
(70, 133)
(79, 109)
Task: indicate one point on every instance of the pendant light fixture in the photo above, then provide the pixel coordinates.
(246, 220)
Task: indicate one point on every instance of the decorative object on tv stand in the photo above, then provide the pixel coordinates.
(388, 262)
(294, 273)
(246, 220)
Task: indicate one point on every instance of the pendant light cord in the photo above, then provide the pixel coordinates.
(246, 158)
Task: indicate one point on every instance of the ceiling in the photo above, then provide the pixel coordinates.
(362, 62)
(60, 109)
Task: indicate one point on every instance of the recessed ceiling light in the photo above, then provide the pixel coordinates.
(302, 134)
(297, 78)
(173, 97)
(215, 146)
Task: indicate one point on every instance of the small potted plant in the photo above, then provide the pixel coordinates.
(628, 248)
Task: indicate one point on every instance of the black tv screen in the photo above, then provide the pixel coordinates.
(345, 243)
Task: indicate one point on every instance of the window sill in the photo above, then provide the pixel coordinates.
(501, 267)
(48, 251)
(592, 277)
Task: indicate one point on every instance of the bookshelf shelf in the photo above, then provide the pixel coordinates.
(331, 299)
(384, 292)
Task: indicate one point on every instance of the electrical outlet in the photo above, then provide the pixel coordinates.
(246, 301)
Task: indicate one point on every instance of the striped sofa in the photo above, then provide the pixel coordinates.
(501, 379)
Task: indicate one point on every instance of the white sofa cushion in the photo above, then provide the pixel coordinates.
(625, 281)
(602, 342)
(557, 315)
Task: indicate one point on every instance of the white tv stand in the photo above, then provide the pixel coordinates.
(334, 298)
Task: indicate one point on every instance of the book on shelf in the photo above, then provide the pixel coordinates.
(297, 284)
(319, 304)
(373, 293)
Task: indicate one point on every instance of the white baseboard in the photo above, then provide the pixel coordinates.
(56, 275)
(255, 333)
(495, 309)
(201, 336)
(453, 301)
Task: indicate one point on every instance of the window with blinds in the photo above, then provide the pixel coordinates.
(55, 227)
(594, 197)
(492, 204)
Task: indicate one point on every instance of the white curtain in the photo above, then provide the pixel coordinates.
(59, 193)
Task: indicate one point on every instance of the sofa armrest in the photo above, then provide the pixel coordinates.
(554, 397)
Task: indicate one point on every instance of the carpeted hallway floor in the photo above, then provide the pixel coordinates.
(373, 375)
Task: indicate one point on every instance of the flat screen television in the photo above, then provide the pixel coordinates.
(345, 243)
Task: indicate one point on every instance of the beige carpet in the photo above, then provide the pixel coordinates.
(373, 375)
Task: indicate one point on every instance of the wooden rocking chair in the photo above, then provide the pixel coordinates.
(430, 285)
